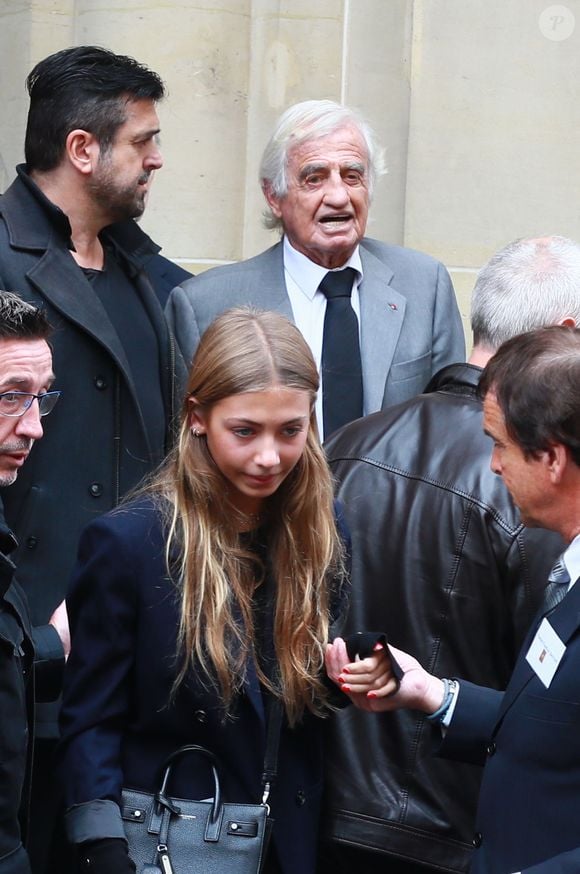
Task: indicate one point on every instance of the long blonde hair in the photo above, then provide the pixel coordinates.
(246, 350)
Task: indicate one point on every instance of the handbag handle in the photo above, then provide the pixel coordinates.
(269, 773)
(162, 798)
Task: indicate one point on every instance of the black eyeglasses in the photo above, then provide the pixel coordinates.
(16, 403)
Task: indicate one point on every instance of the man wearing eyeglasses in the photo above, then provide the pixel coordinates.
(25, 398)
(20, 424)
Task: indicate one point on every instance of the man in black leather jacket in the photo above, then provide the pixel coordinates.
(443, 564)
(25, 376)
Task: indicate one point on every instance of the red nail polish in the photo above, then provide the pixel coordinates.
(345, 688)
(371, 694)
(341, 680)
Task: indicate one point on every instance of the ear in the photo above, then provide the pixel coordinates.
(196, 416)
(83, 150)
(272, 199)
(557, 459)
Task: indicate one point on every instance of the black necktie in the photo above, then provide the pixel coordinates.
(342, 390)
(557, 586)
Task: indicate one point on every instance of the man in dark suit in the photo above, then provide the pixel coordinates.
(527, 737)
(401, 324)
(69, 243)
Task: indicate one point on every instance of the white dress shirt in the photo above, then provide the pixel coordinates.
(571, 559)
(302, 277)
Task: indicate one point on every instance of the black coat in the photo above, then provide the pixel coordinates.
(17, 686)
(442, 562)
(82, 466)
(118, 721)
(16, 706)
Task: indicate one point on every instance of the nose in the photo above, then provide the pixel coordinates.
(267, 454)
(336, 191)
(30, 424)
(154, 160)
(495, 463)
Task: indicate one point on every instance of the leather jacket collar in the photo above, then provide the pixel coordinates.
(457, 379)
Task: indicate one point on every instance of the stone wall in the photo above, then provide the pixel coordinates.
(476, 102)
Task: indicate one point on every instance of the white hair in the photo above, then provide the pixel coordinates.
(531, 283)
(307, 121)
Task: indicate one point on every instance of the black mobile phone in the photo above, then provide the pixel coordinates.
(362, 644)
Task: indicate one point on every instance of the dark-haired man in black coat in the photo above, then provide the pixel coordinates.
(69, 243)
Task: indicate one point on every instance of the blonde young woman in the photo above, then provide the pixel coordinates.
(207, 596)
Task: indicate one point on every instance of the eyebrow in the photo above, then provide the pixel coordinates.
(322, 166)
(312, 168)
(147, 134)
(354, 165)
(242, 421)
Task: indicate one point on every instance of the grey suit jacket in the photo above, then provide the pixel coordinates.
(410, 323)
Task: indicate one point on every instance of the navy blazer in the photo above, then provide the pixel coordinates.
(529, 736)
(119, 721)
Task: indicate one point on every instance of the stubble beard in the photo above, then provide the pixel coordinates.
(119, 203)
(8, 478)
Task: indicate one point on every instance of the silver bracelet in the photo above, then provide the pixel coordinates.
(450, 687)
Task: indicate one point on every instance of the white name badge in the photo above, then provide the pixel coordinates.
(545, 653)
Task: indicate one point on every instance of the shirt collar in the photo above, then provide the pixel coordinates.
(571, 559)
(307, 275)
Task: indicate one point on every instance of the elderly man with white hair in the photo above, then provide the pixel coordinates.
(380, 319)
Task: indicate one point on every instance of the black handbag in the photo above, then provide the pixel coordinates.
(168, 835)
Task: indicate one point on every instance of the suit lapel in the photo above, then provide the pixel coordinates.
(382, 310)
(266, 286)
(252, 687)
(55, 274)
(254, 693)
(62, 283)
(565, 620)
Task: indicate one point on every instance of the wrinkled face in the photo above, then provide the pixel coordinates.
(527, 479)
(25, 365)
(122, 178)
(325, 210)
(255, 439)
